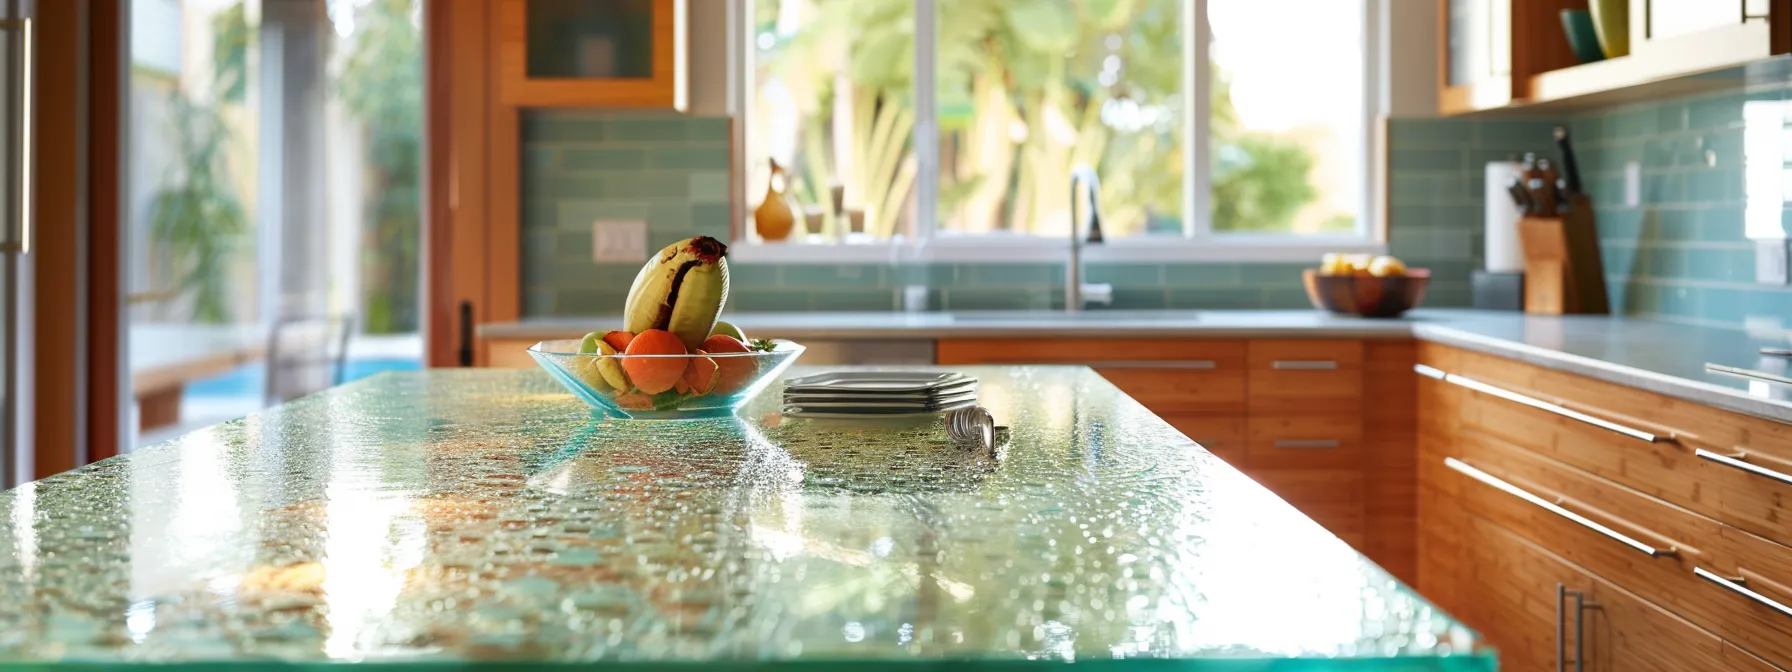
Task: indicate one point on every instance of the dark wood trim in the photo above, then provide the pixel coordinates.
(439, 329)
(1779, 26)
(105, 162)
(56, 264)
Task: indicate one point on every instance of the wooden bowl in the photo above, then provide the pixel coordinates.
(1366, 295)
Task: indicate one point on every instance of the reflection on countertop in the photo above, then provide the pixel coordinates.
(1663, 357)
(451, 518)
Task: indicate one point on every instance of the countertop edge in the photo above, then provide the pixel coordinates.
(1599, 369)
(1730, 399)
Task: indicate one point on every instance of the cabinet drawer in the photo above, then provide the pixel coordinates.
(1331, 497)
(1760, 623)
(1514, 601)
(1222, 435)
(1182, 390)
(1641, 543)
(1305, 441)
(1729, 466)
(1306, 376)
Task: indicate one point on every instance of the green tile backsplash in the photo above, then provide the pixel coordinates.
(1680, 255)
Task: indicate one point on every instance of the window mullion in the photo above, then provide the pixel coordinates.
(1197, 181)
(926, 134)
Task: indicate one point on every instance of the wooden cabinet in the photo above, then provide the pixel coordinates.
(1513, 54)
(1489, 49)
(586, 53)
(1600, 488)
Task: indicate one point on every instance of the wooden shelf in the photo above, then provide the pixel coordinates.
(1708, 60)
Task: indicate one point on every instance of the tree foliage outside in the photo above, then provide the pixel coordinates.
(1026, 89)
(381, 85)
(196, 222)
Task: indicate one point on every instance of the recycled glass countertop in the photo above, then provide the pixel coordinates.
(472, 518)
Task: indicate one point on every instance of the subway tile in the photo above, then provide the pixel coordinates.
(538, 302)
(956, 298)
(602, 158)
(1634, 123)
(1426, 188)
(539, 161)
(647, 185)
(1408, 160)
(689, 158)
(1433, 243)
(557, 187)
(1714, 185)
(1402, 217)
(670, 214)
(1723, 304)
(709, 186)
(1201, 275)
(1286, 298)
(1215, 298)
(822, 277)
(1619, 260)
(1661, 188)
(647, 129)
(1715, 112)
(1140, 298)
(752, 276)
(578, 215)
(768, 300)
(707, 129)
(1273, 274)
(1127, 275)
(555, 127)
(712, 219)
(581, 302)
(1428, 133)
(1008, 275)
(882, 299)
(658, 238)
(1530, 134)
(1721, 224)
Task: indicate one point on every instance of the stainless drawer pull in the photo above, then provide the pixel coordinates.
(1303, 365)
(1554, 508)
(1736, 461)
(1747, 373)
(1735, 585)
(1195, 364)
(1308, 443)
(1540, 404)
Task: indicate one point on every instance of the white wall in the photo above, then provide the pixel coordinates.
(1409, 58)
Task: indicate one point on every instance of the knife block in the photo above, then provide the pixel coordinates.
(1563, 273)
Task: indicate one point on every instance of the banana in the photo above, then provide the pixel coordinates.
(680, 290)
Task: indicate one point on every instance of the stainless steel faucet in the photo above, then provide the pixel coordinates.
(1074, 289)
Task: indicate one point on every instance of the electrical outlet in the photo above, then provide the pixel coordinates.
(1633, 184)
(1772, 261)
(623, 240)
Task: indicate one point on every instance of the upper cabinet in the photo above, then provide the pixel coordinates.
(592, 53)
(1516, 54)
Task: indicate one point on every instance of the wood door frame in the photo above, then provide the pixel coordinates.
(75, 291)
(461, 213)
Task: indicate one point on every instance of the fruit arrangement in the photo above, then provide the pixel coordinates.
(1383, 266)
(673, 348)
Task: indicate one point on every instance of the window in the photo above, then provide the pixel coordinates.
(1011, 94)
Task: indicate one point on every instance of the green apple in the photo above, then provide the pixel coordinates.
(588, 346)
(728, 329)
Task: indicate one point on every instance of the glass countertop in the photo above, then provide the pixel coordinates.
(458, 519)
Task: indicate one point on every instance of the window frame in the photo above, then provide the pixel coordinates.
(1199, 241)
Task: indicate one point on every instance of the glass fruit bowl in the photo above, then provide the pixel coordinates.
(733, 380)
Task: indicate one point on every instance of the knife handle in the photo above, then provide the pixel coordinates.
(1570, 169)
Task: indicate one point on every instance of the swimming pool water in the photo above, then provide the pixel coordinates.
(251, 379)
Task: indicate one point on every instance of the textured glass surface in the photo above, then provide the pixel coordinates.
(435, 518)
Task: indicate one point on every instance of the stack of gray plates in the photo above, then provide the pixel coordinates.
(889, 394)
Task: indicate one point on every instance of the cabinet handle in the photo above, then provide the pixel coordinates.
(1735, 586)
(1555, 508)
(1308, 443)
(1736, 461)
(1581, 605)
(1747, 373)
(1539, 404)
(1194, 364)
(1303, 365)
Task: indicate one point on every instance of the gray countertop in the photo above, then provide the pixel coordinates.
(1664, 357)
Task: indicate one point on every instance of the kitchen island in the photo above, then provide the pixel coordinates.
(444, 519)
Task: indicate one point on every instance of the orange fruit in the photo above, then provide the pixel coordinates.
(654, 375)
(701, 376)
(732, 373)
(619, 339)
